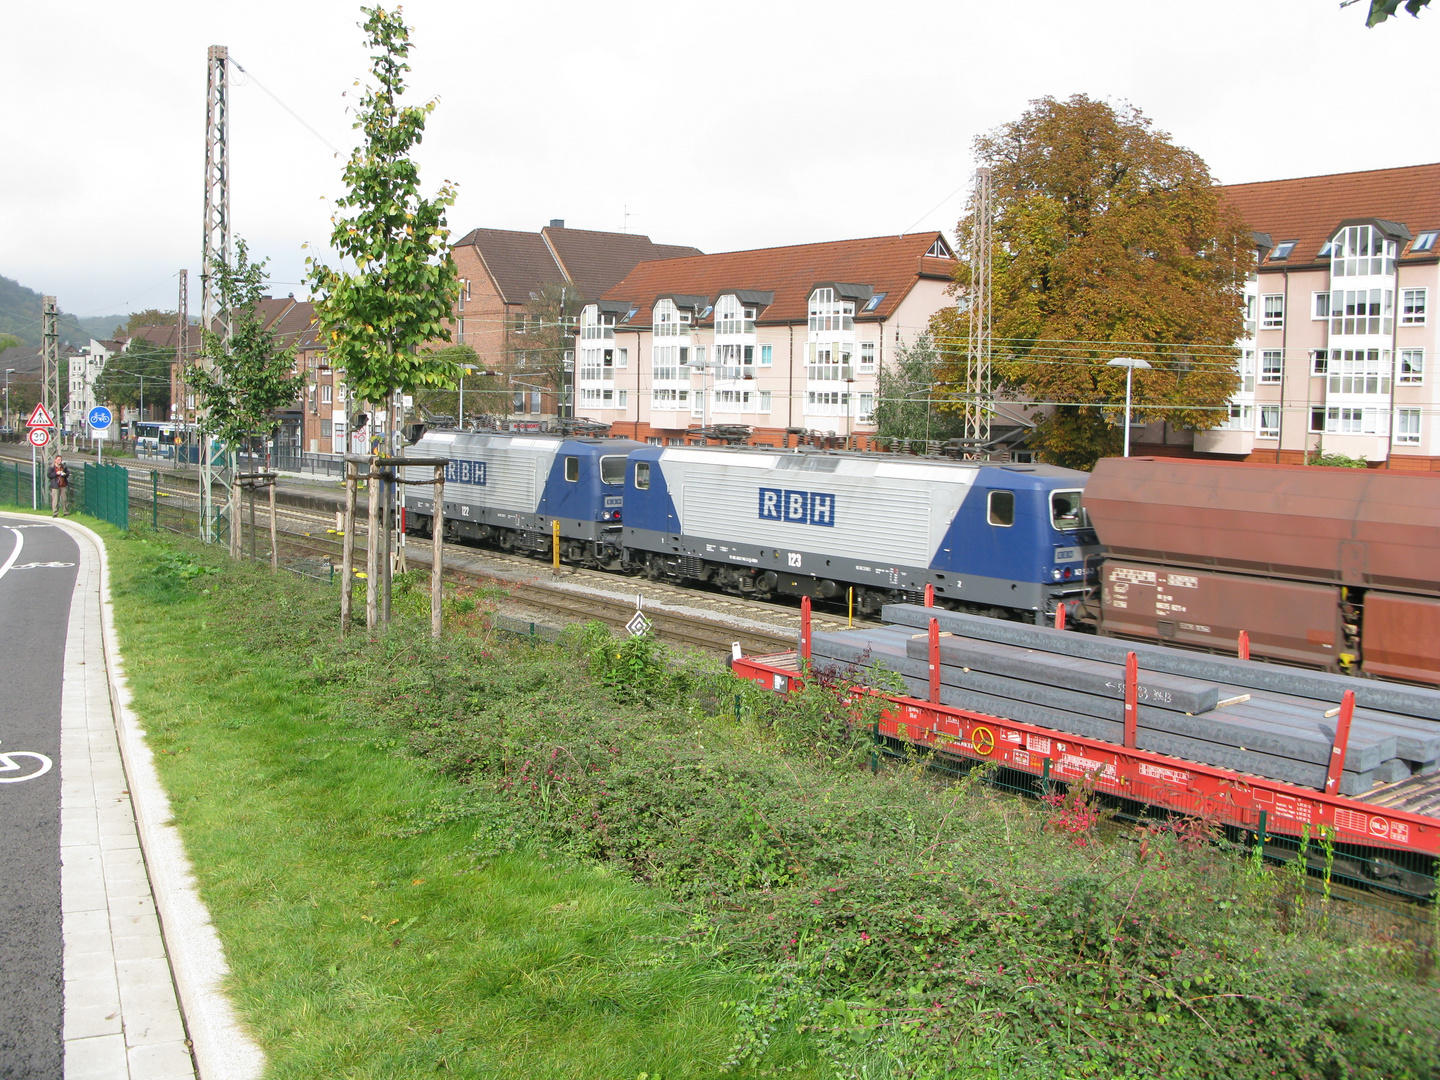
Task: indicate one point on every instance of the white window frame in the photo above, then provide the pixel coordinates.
(1272, 367)
(1411, 369)
(767, 355)
(1272, 311)
(1407, 427)
(1413, 304)
(1319, 361)
(1269, 430)
(867, 356)
(1359, 372)
(1319, 305)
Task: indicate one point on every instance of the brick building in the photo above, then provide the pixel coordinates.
(519, 293)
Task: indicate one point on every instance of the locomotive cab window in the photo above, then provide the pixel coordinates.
(1001, 510)
(572, 469)
(612, 469)
(1067, 512)
(642, 475)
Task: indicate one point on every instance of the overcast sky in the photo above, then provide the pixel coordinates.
(734, 126)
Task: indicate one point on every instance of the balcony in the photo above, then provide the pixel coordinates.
(1224, 441)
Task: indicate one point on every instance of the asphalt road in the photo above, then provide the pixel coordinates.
(34, 613)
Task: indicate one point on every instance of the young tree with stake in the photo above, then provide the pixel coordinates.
(404, 287)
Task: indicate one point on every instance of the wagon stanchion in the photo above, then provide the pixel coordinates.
(555, 547)
(1342, 742)
(274, 540)
(804, 628)
(934, 670)
(1242, 645)
(1132, 697)
(929, 594)
(1060, 616)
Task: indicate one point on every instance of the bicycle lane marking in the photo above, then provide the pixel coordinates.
(19, 543)
(7, 764)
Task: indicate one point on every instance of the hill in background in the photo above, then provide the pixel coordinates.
(20, 312)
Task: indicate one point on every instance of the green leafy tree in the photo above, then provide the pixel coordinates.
(483, 389)
(9, 341)
(241, 381)
(1108, 239)
(905, 390)
(376, 319)
(148, 317)
(140, 374)
(539, 356)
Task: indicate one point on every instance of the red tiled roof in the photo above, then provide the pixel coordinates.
(1307, 209)
(519, 262)
(888, 264)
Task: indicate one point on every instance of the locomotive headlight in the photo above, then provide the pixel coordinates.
(1055, 573)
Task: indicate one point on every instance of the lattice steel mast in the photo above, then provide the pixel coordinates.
(977, 408)
(216, 248)
(182, 342)
(50, 367)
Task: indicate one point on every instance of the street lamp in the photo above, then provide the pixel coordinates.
(8, 372)
(1129, 364)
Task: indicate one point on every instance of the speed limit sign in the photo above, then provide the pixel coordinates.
(39, 436)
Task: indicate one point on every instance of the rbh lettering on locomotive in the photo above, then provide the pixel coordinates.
(797, 507)
(460, 471)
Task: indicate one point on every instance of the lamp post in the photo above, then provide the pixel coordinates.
(8, 372)
(1129, 363)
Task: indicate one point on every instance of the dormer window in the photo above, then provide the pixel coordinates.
(1282, 251)
(667, 319)
(940, 249)
(829, 312)
(874, 301)
(1425, 241)
(733, 317)
(595, 324)
(1362, 251)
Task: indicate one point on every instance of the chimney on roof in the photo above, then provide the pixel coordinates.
(557, 223)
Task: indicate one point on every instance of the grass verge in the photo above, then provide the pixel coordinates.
(587, 860)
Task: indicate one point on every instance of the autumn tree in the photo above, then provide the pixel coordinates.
(1108, 240)
(376, 319)
(539, 356)
(241, 380)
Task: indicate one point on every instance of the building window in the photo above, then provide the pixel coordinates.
(1407, 426)
(1269, 421)
(669, 320)
(535, 402)
(521, 323)
(1425, 241)
(731, 317)
(866, 408)
(325, 429)
(595, 325)
(1282, 250)
(1271, 366)
(1249, 315)
(327, 394)
(1274, 312)
(829, 312)
(1320, 305)
(1239, 418)
(1317, 420)
(867, 356)
(518, 402)
(1359, 371)
(765, 402)
(1361, 251)
(1412, 307)
(1351, 420)
(1361, 311)
(664, 363)
(1319, 361)
(1412, 367)
(1247, 371)
(767, 355)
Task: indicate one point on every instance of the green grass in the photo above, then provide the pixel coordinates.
(366, 938)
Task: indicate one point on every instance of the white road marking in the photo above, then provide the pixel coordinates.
(7, 764)
(19, 543)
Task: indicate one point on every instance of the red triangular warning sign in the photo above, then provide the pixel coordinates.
(40, 417)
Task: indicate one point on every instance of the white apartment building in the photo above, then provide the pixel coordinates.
(85, 367)
(777, 339)
(1338, 321)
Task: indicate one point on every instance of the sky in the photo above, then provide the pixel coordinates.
(739, 126)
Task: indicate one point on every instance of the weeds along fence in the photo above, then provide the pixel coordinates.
(1320, 886)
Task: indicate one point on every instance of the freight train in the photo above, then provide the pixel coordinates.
(1004, 540)
(1329, 568)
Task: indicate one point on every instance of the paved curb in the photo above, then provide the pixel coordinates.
(223, 1050)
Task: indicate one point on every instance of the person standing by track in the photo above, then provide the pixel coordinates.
(59, 488)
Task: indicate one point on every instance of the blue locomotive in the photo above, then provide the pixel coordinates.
(508, 490)
(991, 538)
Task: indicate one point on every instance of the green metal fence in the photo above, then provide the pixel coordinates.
(107, 494)
(17, 488)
